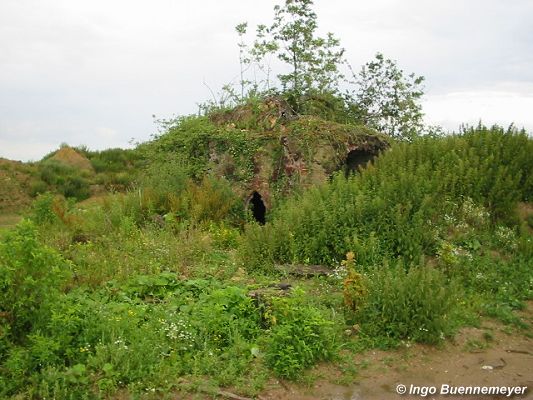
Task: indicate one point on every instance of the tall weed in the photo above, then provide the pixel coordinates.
(413, 305)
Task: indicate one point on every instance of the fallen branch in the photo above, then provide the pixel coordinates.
(216, 392)
(230, 395)
(518, 351)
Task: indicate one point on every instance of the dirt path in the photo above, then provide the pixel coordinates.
(9, 220)
(485, 357)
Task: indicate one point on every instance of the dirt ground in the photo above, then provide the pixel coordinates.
(9, 220)
(487, 356)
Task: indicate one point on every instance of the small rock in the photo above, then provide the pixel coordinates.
(487, 367)
(496, 363)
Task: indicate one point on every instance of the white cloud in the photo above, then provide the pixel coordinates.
(71, 67)
(489, 107)
(32, 151)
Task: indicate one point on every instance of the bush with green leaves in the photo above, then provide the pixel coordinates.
(127, 335)
(37, 186)
(210, 200)
(67, 180)
(31, 279)
(185, 148)
(42, 212)
(408, 305)
(113, 160)
(301, 335)
(387, 100)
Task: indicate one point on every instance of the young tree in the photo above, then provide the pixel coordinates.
(292, 38)
(389, 101)
(314, 60)
(244, 60)
(383, 97)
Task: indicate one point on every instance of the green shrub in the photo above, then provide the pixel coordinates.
(224, 316)
(113, 160)
(188, 142)
(31, 276)
(212, 200)
(224, 236)
(300, 337)
(115, 337)
(168, 176)
(42, 212)
(413, 305)
(38, 187)
(68, 181)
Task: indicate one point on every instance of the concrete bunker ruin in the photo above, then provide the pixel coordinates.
(267, 152)
(356, 159)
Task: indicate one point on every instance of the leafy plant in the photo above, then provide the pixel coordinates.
(43, 209)
(398, 206)
(354, 289)
(31, 279)
(300, 337)
(68, 181)
(389, 101)
(292, 38)
(413, 305)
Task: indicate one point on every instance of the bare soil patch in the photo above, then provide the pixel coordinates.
(492, 355)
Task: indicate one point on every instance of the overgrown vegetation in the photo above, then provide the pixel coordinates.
(402, 205)
(116, 295)
(112, 170)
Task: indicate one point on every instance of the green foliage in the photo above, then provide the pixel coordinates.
(413, 305)
(157, 298)
(166, 177)
(301, 336)
(314, 60)
(116, 169)
(292, 38)
(68, 181)
(354, 285)
(380, 95)
(38, 187)
(43, 209)
(213, 200)
(329, 106)
(389, 101)
(187, 146)
(31, 276)
(224, 236)
(109, 339)
(113, 160)
(398, 206)
(129, 334)
(499, 283)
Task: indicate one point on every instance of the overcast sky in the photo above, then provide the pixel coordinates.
(94, 72)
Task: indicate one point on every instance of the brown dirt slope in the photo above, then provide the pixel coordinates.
(14, 180)
(506, 360)
(71, 157)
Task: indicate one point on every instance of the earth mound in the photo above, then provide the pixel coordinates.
(14, 180)
(70, 157)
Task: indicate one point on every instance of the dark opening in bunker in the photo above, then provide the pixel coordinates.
(355, 159)
(258, 208)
